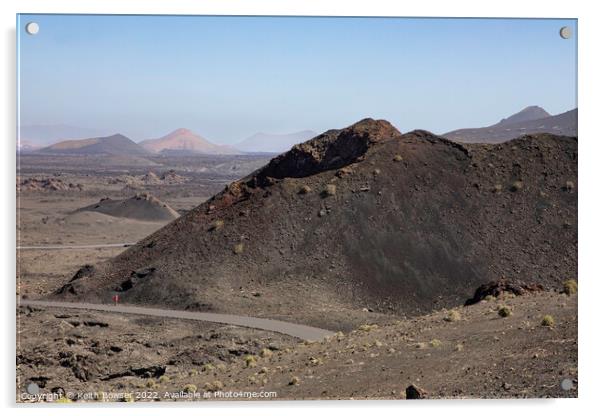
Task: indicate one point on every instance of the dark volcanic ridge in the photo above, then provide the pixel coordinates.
(362, 217)
(142, 207)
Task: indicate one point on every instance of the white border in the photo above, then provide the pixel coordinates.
(590, 178)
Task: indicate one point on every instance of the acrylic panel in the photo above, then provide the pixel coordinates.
(279, 208)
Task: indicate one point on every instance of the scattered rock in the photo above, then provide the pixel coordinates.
(47, 184)
(96, 323)
(499, 287)
(414, 392)
(85, 271)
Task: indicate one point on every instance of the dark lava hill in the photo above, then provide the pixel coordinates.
(363, 217)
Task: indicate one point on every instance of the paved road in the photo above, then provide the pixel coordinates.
(299, 331)
(74, 247)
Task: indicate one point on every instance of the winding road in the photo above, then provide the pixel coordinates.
(304, 332)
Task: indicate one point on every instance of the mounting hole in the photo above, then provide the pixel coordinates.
(565, 32)
(566, 384)
(32, 28)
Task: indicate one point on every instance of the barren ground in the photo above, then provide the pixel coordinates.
(143, 358)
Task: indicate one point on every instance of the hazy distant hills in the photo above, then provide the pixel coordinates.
(274, 143)
(116, 144)
(186, 142)
(70, 140)
(25, 145)
(530, 120)
(40, 135)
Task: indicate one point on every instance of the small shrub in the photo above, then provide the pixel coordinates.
(516, 186)
(190, 388)
(250, 361)
(490, 298)
(435, 343)
(367, 327)
(238, 248)
(315, 360)
(208, 367)
(63, 399)
(266, 353)
(569, 186)
(570, 287)
(294, 381)
(163, 379)
(459, 347)
(304, 190)
(215, 386)
(376, 171)
(330, 190)
(264, 370)
(504, 311)
(151, 384)
(497, 188)
(453, 316)
(217, 225)
(397, 158)
(547, 320)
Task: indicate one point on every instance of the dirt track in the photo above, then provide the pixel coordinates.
(75, 247)
(304, 332)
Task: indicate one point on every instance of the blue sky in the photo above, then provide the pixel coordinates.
(230, 77)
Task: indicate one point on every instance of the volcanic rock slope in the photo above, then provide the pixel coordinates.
(361, 217)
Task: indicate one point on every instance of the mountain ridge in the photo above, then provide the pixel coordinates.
(509, 128)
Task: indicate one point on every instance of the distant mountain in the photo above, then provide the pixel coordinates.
(533, 112)
(528, 121)
(185, 141)
(274, 143)
(25, 145)
(46, 134)
(116, 144)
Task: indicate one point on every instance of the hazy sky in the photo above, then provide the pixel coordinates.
(230, 77)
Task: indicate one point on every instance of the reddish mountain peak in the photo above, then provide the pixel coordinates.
(182, 132)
